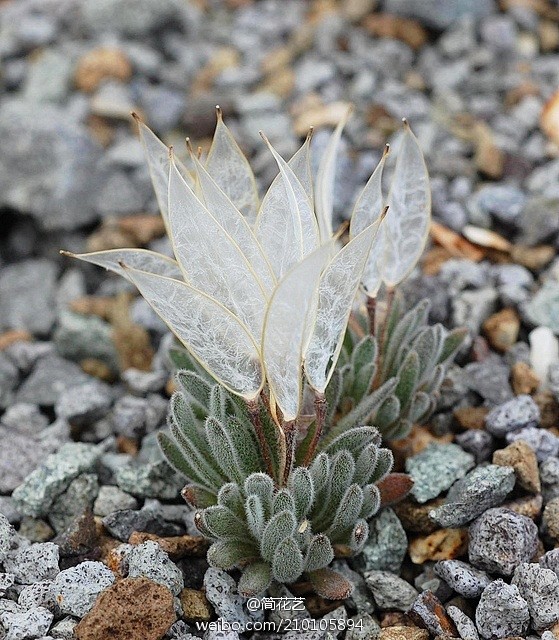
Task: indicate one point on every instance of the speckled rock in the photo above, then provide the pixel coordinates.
(76, 589)
(501, 540)
(41, 487)
(477, 442)
(540, 588)
(34, 563)
(390, 591)
(84, 403)
(387, 543)
(502, 612)
(78, 497)
(38, 594)
(150, 561)
(6, 581)
(481, 489)
(550, 560)
(32, 623)
(436, 468)
(551, 518)
(151, 480)
(121, 524)
(221, 591)
(544, 443)
(464, 624)
(515, 414)
(462, 577)
(362, 627)
(133, 608)
(110, 499)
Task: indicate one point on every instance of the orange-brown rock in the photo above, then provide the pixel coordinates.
(523, 379)
(533, 258)
(142, 228)
(176, 546)
(14, 335)
(444, 544)
(471, 417)
(385, 25)
(415, 517)
(502, 329)
(97, 368)
(521, 457)
(549, 118)
(195, 606)
(403, 633)
(101, 64)
(549, 409)
(529, 506)
(395, 619)
(130, 609)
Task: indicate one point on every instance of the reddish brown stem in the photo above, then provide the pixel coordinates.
(371, 311)
(290, 429)
(320, 413)
(254, 412)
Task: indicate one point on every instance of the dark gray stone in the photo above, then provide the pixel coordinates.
(481, 489)
(390, 591)
(477, 442)
(110, 499)
(83, 404)
(78, 497)
(387, 544)
(490, 380)
(515, 414)
(501, 540)
(121, 524)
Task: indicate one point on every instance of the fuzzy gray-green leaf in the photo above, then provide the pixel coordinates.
(320, 472)
(388, 413)
(223, 451)
(230, 496)
(283, 501)
(255, 517)
(319, 554)
(255, 579)
(287, 563)
(227, 554)
(223, 523)
(365, 464)
(301, 485)
(197, 391)
(371, 501)
(353, 440)
(347, 512)
(281, 526)
(385, 462)
(452, 342)
(409, 375)
(261, 485)
(420, 406)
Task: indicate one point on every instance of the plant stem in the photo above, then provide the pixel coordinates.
(320, 412)
(382, 338)
(371, 311)
(290, 429)
(254, 412)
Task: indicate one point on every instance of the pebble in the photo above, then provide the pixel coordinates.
(501, 540)
(132, 608)
(387, 544)
(121, 524)
(478, 443)
(542, 442)
(398, 632)
(25, 418)
(464, 625)
(439, 545)
(221, 591)
(38, 594)
(543, 308)
(481, 489)
(64, 629)
(433, 15)
(50, 376)
(436, 468)
(110, 499)
(502, 329)
(515, 414)
(142, 382)
(30, 286)
(34, 563)
(540, 588)
(462, 577)
(33, 623)
(502, 612)
(428, 612)
(362, 627)
(521, 457)
(84, 403)
(390, 591)
(489, 380)
(77, 498)
(6, 581)
(150, 480)
(550, 560)
(40, 489)
(76, 589)
(150, 561)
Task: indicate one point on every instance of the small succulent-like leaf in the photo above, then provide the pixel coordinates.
(319, 554)
(230, 496)
(223, 450)
(409, 211)
(371, 501)
(358, 536)
(255, 516)
(227, 554)
(176, 458)
(212, 333)
(286, 226)
(336, 291)
(283, 501)
(301, 485)
(388, 413)
(409, 377)
(229, 168)
(428, 344)
(347, 513)
(197, 391)
(180, 359)
(218, 403)
(198, 496)
(393, 488)
(365, 463)
(354, 440)
(385, 462)
(452, 342)
(210, 259)
(330, 585)
(287, 563)
(286, 329)
(261, 485)
(420, 406)
(325, 180)
(280, 526)
(255, 579)
(223, 523)
(245, 446)
(320, 472)
(360, 414)
(399, 337)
